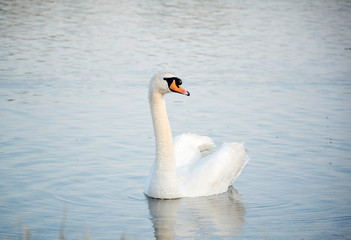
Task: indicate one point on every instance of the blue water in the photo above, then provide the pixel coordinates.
(76, 137)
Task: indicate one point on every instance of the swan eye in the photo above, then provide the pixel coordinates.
(170, 80)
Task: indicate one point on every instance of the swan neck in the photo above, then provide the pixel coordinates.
(162, 130)
(163, 181)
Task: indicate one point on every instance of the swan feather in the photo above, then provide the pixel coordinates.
(188, 165)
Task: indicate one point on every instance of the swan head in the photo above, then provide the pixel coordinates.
(165, 83)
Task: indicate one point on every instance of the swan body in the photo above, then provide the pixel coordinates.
(188, 165)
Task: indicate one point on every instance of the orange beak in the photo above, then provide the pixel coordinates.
(178, 89)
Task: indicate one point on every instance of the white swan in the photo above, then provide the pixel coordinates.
(184, 169)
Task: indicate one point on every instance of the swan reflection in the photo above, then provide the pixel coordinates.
(222, 215)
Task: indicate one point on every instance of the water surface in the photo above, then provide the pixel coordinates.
(76, 138)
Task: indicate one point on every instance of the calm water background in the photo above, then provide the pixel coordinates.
(76, 138)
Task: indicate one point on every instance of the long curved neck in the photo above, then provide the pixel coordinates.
(163, 182)
(162, 129)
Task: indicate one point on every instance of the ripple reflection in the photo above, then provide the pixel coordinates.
(219, 215)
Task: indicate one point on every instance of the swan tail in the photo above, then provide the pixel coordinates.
(239, 159)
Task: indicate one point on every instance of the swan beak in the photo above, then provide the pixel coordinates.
(178, 89)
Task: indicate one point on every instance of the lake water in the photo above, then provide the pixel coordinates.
(76, 137)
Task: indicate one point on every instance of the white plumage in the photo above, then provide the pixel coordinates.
(187, 166)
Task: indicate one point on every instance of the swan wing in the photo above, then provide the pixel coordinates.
(215, 173)
(190, 148)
